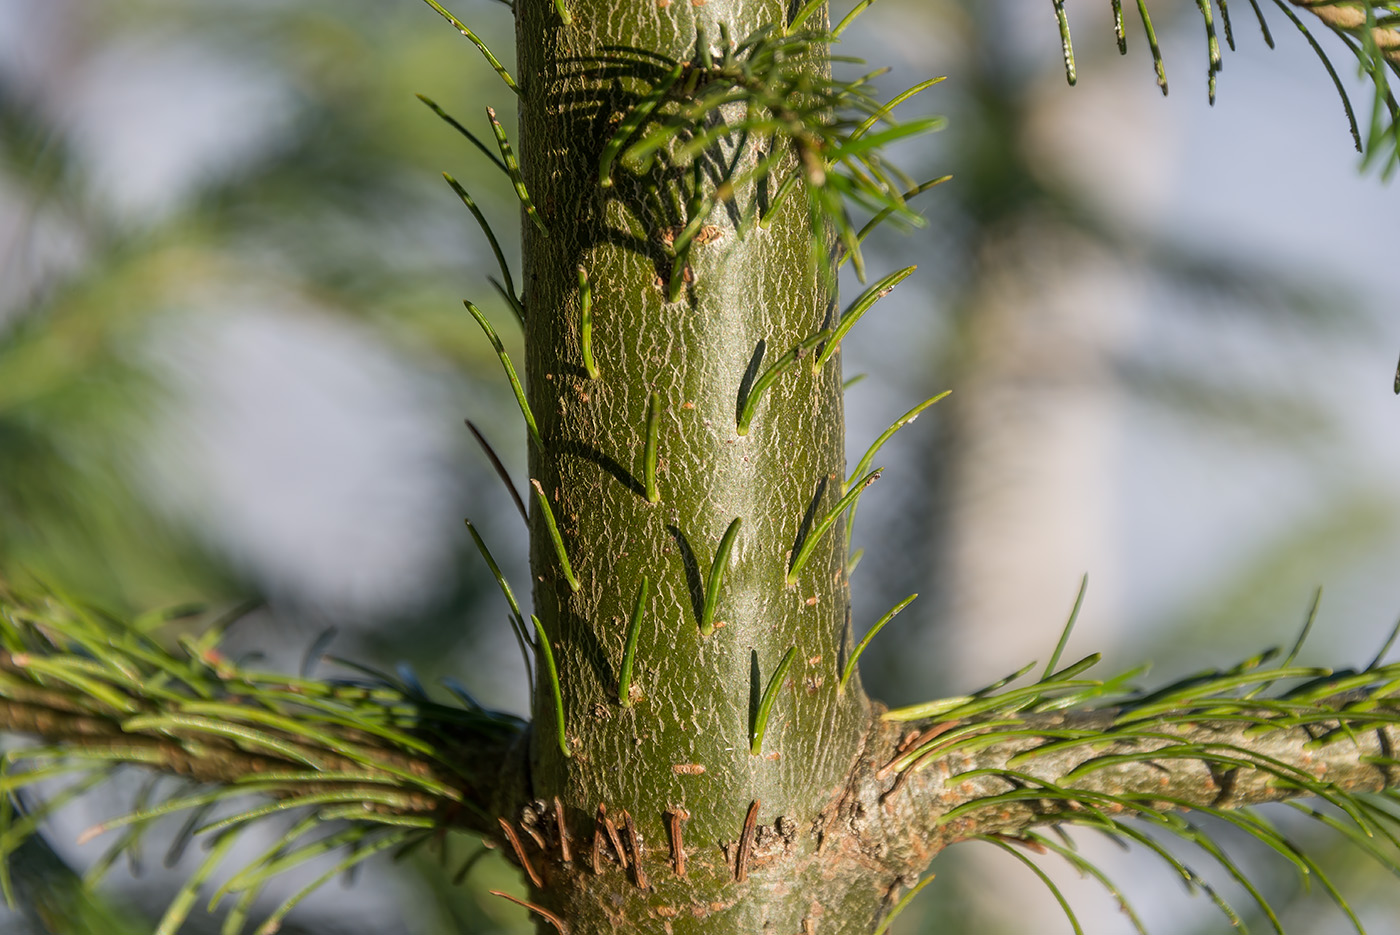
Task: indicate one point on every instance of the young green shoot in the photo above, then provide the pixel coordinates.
(563, 11)
(585, 326)
(510, 298)
(1157, 62)
(169, 807)
(510, 374)
(500, 470)
(784, 189)
(455, 124)
(244, 736)
(256, 871)
(865, 461)
(517, 619)
(697, 209)
(467, 200)
(903, 904)
(865, 641)
(766, 379)
(884, 213)
(776, 98)
(624, 681)
(1066, 43)
(553, 672)
(716, 577)
(273, 923)
(634, 119)
(850, 18)
(884, 112)
(858, 308)
(1089, 868)
(1212, 45)
(184, 899)
(70, 672)
(810, 7)
(1385, 648)
(1308, 622)
(280, 860)
(1069, 627)
(652, 444)
(1263, 24)
(1331, 71)
(554, 536)
(765, 705)
(364, 797)
(472, 37)
(823, 526)
(1044, 878)
(513, 169)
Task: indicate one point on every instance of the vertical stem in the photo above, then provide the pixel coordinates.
(585, 324)
(697, 353)
(652, 443)
(629, 655)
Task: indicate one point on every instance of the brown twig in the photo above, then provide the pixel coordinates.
(597, 854)
(635, 839)
(563, 832)
(525, 864)
(915, 743)
(678, 817)
(741, 864)
(535, 836)
(544, 913)
(613, 838)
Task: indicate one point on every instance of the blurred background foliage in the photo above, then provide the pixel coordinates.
(234, 366)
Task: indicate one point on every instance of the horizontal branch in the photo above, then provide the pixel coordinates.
(100, 693)
(1166, 764)
(462, 797)
(1072, 750)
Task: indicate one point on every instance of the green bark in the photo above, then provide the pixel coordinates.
(684, 741)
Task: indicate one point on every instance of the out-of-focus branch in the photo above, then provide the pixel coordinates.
(459, 794)
(101, 692)
(1171, 763)
(1351, 17)
(1072, 750)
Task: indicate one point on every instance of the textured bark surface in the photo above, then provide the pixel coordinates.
(683, 744)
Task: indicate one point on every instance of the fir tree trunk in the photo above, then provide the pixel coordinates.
(682, 745)
(695, 763)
